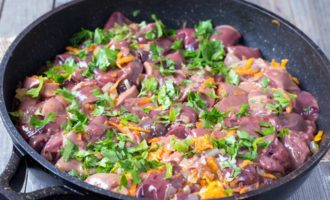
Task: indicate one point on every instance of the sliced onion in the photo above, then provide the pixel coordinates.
(213, 152)
(107, 87)
(314, 147)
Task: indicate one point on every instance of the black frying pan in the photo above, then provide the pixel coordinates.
(49, 35)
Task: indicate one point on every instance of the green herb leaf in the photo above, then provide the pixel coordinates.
(243, 111)
(196, 101)
(177, 45)
(180, 146)
(169, 170)
(104, 58)
(244, 135)
(260, 142)
(172, 115)
(166, 94)
(62, 72)
(283, 132)
(123, 180)
(264, 82)
(212, 117)
(204, 28)
(34, 92)
(135, 13)
(80, 37)
(141, 147)
(267, 130)
(233, 78)
(68, 150)
(98, 111)
(37, 123)
(159, 25)
(99, 36)
(148, 85)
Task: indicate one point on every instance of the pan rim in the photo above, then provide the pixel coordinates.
(26, 149)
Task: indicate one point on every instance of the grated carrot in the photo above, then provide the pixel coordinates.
(114, 87)
(268, 175)
(144, 101)
(245, 163)
(211, 163)
(213, 190)
(284, 62)
(72, 50)
(122, 60)
(202, 143)
(258, 75)
(230, 132)
(117, 126)
(282, 65)
(135, 128)
(208, 81)
(132, 190)
(199, 124)
(89, 106)
(246, 70)
(318, 136)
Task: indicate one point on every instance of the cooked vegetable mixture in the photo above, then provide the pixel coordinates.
(147, 111)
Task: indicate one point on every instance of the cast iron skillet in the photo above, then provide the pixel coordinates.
(49, 35)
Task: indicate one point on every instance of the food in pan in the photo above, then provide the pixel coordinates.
(147, 111)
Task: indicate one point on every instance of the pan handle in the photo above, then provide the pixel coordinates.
(6, 192)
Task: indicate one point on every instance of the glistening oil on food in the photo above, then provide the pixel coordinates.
(147, 111)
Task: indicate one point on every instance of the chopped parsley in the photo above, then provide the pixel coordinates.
(113, 154)
(77, 119)
(38, 123)
(82, 36)
(204, 28)
(148, 85)
(267, 128)
(62, 72)
(180, 145)
(69, 149)
(196, 101)
(243, 111)
(233, 78)
(104, 58)
(283, 132)
(159, 26)
(166, 94)
(212, 117)
(135, 13)
(281, 102)
(169, 170)
(177, 45)
(34, 92)
(264, 82)
(99, 36)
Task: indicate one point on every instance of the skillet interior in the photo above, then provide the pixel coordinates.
(49, 35)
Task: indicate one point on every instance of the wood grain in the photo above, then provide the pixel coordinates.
(17, 14)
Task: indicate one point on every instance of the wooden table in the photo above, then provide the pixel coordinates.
(313, 17)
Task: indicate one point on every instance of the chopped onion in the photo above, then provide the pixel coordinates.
(314, 147)
(107, 87)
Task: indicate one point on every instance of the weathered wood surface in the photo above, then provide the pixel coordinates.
(312, 17)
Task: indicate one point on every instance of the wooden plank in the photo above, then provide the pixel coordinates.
(60, 2)
(317, 186)
(25, 12)
(322, 23)
(1, 6)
